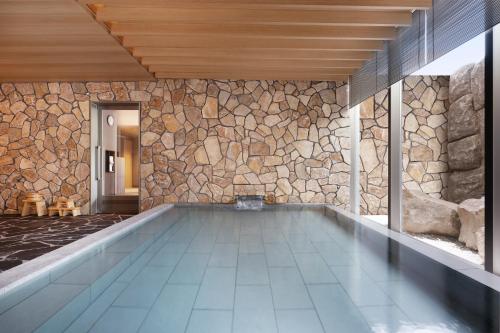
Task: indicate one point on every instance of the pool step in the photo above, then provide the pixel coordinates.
(120, 204)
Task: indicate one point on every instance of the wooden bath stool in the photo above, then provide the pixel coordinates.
(34, 203)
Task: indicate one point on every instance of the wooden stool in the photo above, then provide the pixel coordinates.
(64, 206)
(34, 202)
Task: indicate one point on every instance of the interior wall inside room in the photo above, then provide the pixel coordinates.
(109, 143)
(201, 140)
(127, 152)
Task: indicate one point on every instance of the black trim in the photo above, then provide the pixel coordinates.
(488, 152)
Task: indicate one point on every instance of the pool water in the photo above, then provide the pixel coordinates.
(293, 270)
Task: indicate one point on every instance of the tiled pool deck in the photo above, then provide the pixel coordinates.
(284, 270)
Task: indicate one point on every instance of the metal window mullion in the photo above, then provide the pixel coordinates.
(395, 156)
(492, 151)
(354, 179)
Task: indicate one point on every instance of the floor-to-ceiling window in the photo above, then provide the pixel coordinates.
(374, 157)
(443, 177)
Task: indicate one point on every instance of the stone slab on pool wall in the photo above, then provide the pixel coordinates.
(201, 140)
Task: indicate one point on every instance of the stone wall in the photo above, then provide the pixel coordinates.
(44, 143)
(202, 141)
(466, 134)
(374, 158)
(425, 160)
(425, 123)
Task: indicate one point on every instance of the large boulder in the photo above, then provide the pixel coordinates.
(423, 214)
(465, 154)
(463, 185)
(480, 242)
(477, 85)
(460, 84)
(462, 119)
(471, 214)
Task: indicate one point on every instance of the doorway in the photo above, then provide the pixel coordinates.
(115, 155)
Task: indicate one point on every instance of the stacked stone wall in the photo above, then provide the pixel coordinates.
(374, 158)
(202, 141)
(425, 143)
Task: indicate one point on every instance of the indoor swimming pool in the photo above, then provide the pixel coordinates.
(288, 270)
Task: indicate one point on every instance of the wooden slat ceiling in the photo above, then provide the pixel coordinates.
(220, 39)
(58, 40)
(254, 39)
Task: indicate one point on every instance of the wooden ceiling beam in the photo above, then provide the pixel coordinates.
(252, 16)
(249, 53)
(235, 42)
(64, 69)
(239, 69)
(40, 7)
(253, 31)
(252, 76)
(385, 5)
(262, 63)
(31, 25)
(75, 58)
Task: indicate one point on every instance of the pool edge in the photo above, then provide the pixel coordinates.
(460, 265)
(40, 266)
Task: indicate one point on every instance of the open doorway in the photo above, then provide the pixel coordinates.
(115, 138)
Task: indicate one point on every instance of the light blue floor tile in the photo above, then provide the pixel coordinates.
(316, 233)
(253, 310)
(336, 310)
(39, 307)
(17, 295)
(314, 269)
(94, 268)
(289, 291)
(300, 243)
(421, 308)
(67, 314)
(279, 255)
(273, 236)
(251, 244)
(156, 227)
(130, 242)
(190, 269)
(377, 267)
(203, 243)
(171, 311)
(224, 255)
(388, 319)
(249, 227)
(169, 255)
(252, 269)
(228, 233)
(85, 321)
(209, 321)
(360, 287)
(145, 288)
(333, 254)
(186, 233)
(130, 273)
(123, 320)
(217, 289)
(298, 321)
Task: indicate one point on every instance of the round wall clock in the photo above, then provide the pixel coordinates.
(110, 120)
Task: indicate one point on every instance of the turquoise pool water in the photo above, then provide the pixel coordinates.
(218, 270)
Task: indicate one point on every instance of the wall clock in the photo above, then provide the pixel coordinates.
(110, 120)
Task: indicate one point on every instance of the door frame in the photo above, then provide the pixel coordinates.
(96, 167)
